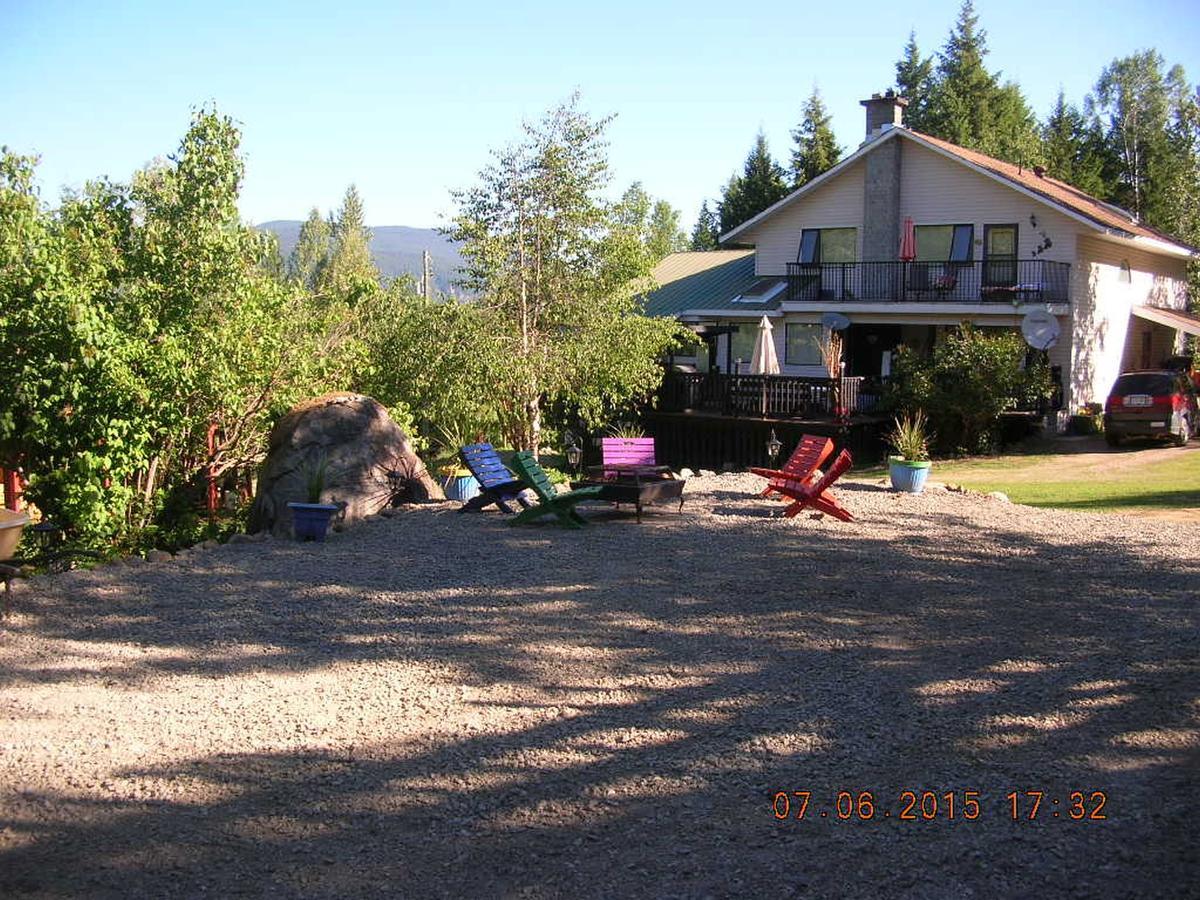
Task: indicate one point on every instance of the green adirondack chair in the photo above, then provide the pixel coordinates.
(551, 502)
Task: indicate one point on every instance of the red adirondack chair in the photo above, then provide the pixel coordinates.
(818, 495)
(809, 455)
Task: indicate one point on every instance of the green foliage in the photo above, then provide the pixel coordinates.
(558, 271)
(705, 233)
(971, 377)
(962, 102)
(1072, 148)
(760, 185)
(816, 149)
(914, 82)
(311, 253)
(137, 318)
(314, 478)
(625, 430)
(909, 437)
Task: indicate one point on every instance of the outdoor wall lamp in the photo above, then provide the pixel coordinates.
(773, 447)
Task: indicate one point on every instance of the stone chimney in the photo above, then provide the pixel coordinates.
(884, 111)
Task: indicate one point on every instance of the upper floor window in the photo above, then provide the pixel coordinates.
(828, 245)
(945, 243)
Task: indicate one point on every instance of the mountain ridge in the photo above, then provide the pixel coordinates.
(396, 250)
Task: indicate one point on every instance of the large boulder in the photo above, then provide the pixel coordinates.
(370, 463)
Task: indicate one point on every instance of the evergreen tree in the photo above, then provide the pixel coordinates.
(350, 271)
(1071, 148)
(311, 253)
(706, 232)
(969, 106)
(914, 81)
(760, 185)
(816, 149)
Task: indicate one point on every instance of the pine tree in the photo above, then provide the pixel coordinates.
(760, 185)
(914, 82)
(706, 232)
(816, 149)
(311, 253)
(969, 106)
(350, 271)
(1071, 148)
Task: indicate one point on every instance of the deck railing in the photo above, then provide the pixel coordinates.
(766, 396)
(982, 281)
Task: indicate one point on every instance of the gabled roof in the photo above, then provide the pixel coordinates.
(1075, 203)
(703, 280)
(1057, 192)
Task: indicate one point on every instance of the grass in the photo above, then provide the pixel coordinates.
(1099, 482)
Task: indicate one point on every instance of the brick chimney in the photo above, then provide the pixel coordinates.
(884, 111)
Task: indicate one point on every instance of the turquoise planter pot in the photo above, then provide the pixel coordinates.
(908, 477)
(460, 487)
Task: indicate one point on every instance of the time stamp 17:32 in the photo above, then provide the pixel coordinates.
(928, 806)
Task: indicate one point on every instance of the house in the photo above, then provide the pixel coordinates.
(996, 244)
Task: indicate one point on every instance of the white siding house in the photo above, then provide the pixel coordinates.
(994, 243)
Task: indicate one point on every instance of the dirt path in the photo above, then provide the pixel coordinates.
(440, 705)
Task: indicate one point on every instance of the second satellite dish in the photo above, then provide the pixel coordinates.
(835, 321)
(1040, 330)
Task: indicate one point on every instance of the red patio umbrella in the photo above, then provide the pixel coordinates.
(908, 241)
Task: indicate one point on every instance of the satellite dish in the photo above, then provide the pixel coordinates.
(1040, 329)
(835, 321)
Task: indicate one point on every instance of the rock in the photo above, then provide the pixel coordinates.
(210, 544)
(239, 538)
(158, 556)
(728, 467)
(369, 462)
(707, 473)
(999, 495)
(686, 473)
(134, 561)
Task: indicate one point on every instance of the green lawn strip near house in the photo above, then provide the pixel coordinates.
(1171, 482)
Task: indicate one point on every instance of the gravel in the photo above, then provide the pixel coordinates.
(434, 704)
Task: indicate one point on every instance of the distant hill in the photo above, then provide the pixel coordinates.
(396, 250)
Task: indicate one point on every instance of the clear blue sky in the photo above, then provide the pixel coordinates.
(406, 102)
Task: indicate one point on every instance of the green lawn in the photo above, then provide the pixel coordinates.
(1096, 481)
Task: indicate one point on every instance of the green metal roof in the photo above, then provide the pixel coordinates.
(705, 281)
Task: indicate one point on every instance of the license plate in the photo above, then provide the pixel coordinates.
(1138, 400)
(1158, 424)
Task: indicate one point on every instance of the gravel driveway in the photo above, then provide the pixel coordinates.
(439, 705)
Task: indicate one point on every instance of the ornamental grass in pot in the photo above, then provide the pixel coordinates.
(310, 520)
(909, 467)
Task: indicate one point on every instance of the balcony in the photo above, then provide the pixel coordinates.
(985, 281)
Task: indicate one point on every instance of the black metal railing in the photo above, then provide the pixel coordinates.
(984, 281)
(767, 396)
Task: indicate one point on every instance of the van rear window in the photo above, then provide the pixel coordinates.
(1151, 383)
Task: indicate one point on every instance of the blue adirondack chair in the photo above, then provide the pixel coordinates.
(496, 483)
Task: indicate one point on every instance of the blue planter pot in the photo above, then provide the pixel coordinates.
(460, 487)
(310, 521)
(908, 477)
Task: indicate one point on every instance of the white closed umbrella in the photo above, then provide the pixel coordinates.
(765, 360)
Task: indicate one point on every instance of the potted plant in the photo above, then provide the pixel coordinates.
(458, 482)
(909, 468)
(310, 519)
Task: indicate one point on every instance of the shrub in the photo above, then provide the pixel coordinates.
(971, 378)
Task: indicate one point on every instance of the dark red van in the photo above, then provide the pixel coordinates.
(1158, 404)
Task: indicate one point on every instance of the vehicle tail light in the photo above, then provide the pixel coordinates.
(1113, 402)
(1163, 401)
(1178, 402)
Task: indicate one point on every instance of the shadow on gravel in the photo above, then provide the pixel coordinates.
(752, 658)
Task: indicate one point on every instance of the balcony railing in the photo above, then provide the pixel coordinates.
(985, 281)
(766, 396)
